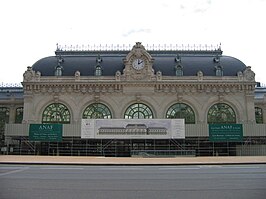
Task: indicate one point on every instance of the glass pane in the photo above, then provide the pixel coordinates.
(219, 71)
(56, 113)
(138, 111)
(259, 115)
(179, 71)
(98, 71)
(97, 111)
(19, 115)
(221, 113)
(181, 110)
(4, 118)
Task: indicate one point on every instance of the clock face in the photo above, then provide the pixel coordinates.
(138, 64)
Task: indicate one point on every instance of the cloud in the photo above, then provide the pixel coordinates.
(132, 32)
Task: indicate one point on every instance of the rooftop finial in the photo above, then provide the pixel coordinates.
(220, 46)
(65, 49)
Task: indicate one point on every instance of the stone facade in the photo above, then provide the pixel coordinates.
(129, 86)
(157, 79)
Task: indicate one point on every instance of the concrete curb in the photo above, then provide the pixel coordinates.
(131, 161)
(77, 164)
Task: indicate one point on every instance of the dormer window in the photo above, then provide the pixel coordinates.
(98, 67)
(59, 67)
(179, 70)
(98, 70)
(178, 67)
(219, 71)
(58, 70)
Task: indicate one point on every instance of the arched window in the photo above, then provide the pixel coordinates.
(259, 115)
(4, 114)
(221, 113)
(58, 71)
(19, 115)
(98, 70)
(98, 67)
(4, 118)
(56, 113)
(181, 110)
(59, 68)
(138, 111)
(179, 70)
(97, 111)
(219, 71)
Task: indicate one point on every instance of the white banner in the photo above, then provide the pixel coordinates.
(133, 128)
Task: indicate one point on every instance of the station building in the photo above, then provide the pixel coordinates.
(201, 86)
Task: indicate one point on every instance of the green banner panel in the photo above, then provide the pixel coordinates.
(225, 132)
(46, 132)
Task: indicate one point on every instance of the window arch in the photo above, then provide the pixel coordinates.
(58, 71)
(179, 70)
(221, 113)
(98, 70)
(181, 110)
(4, 118)
(56, 113)
(219, 71)
(97, 111)
(19, 115)
(259, 115)
(4, 115)
(138, 111)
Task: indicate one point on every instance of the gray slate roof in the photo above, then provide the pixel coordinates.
(7, 93)
(192, 62)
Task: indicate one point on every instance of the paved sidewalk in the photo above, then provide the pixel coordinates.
(74, 160)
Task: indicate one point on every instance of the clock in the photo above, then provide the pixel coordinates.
(138, 64)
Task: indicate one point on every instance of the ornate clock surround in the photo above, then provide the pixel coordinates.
(138, 64)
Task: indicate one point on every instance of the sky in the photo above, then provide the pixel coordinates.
(30, 29)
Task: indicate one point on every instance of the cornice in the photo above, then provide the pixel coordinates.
(157, 86)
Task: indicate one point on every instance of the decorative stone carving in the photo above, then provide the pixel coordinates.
(77, 75)
(240, 76)
(56, 98)
(179, 98)
(249, 75)
(117, 75)
(200, 75)
(145, 72)
(159, 76)
(221, 98)
(138, 97)
(38, 76)
(96, 98)
(29, 74)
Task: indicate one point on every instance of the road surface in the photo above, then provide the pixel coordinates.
(132, 182)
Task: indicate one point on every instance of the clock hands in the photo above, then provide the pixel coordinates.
(138, 64)
(140, 61)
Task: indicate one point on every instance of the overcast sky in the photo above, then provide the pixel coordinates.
(30, 29)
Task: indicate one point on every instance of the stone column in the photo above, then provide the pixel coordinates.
(12, 114)
(250, 109)
(28, 115)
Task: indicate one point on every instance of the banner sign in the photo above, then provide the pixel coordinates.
(225, 132)
(133, 128)
(46, 132)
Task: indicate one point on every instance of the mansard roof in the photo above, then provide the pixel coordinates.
(8, 93)
(112, 61)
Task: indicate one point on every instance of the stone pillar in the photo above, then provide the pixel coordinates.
(250, 109)
(28, 114)
(12, 114)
